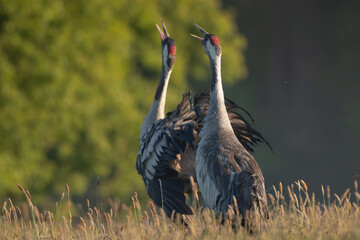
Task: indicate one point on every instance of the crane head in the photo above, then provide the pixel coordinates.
(168, 47)
(210, 43)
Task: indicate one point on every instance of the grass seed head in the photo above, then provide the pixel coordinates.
(337, 197)
(83, 222)
(357, 196)
(96, 212)
(4, 204)
(304, 185)
(328, 191)
(21, 188)
(106, 219)
(28, 194)
(344, 195)
(271, 197)
(290, 194)
(18, 209)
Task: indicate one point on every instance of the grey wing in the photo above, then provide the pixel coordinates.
(249, 185)
(160, 147)
(244, 131)
(166, 139)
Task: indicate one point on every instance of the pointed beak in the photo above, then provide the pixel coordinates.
(201, 30)
(164, 34)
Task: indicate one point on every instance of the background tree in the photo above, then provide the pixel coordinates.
(77, 78)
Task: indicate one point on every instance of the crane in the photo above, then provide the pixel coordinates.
(225, 170)
(166, 158)
(168, 49)
(162, 139)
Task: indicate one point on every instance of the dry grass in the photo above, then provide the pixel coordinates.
(295, 214)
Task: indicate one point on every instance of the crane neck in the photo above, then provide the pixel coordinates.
(160, 95)
(217, 115)
(157, 110)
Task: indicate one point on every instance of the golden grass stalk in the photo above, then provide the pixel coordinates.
(271, 197)
(32, 210)
(347, 191)
(305, 219)
(290, 194)
(304, 185)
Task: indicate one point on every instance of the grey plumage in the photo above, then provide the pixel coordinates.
(166, 159)
(224, 168)
(243, 129)
(167, 150)
(160, 159)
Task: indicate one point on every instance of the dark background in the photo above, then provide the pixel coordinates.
(303, 88)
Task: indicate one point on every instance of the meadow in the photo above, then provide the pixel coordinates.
(294, 214)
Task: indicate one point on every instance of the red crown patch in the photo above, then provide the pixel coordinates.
(172, 50)
(214, 40)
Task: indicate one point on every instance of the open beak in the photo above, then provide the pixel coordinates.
(164, 34)
(201, 30)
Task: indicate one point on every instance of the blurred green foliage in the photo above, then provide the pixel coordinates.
(78, 77)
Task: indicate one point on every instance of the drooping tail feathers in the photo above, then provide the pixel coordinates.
(243, 130)
(168, 194)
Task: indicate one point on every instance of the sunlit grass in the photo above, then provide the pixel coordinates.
(294, 214)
